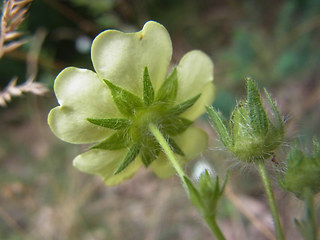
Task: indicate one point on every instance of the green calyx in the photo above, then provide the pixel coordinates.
(303, 171)
(206, 194)
(132, 131)
(250, 134)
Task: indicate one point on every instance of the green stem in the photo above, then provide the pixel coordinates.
(210, 219)
(310, 214)
(272, 204)
(167, 150)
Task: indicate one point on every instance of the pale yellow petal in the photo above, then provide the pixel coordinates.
(121, 57)
(81, 95)
(103, 163)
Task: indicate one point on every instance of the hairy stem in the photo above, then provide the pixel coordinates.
(167, 150)
(272, 204)
(210, 219)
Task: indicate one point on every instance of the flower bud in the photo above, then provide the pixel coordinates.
(303, 171)
(251, 134)
(206, 194)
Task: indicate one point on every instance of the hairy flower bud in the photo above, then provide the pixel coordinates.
(303, 171)
(251, 134)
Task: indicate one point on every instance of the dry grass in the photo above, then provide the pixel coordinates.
(13, 14)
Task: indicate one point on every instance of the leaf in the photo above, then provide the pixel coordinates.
(130, 157)
(175, 125)
(148, 92)
(168, 91)
(182, 107)
(126, 101)
(257, 115)
(116, 141)
(220, 127)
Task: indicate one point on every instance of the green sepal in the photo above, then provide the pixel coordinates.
(126, 102)
(130, 157)
(257, 115)
(175, 147)
(182, 107)
(194, 195)
(276, 113)
(207, 194)
(219, 126)
(150, 150)
(112, 123)
(175, 125)
(168, 90)
(148, 91)
(116, 141)
(210, 193)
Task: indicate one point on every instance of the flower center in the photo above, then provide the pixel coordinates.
(143, 117)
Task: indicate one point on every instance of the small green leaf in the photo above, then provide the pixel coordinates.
(168, 91)
(182, 107)
(116, 141)
(112, 123)
(175, 147)
(175, 125)
(257, 115)
(194, 194)
(220, 127)
(126, 102)
(130, 157)
(277, 115)
(148, 92)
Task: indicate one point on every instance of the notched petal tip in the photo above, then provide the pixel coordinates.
(115, 54)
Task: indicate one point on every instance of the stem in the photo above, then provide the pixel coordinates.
(210, 219)
(272, 204)
(167, 150)
(310, 214)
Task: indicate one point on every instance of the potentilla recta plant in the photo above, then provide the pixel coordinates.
(132, 109)
(136, 110)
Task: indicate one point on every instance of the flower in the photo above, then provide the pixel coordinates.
(130, 89)
(251, 134)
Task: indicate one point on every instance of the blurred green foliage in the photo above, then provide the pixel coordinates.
(286, 50)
